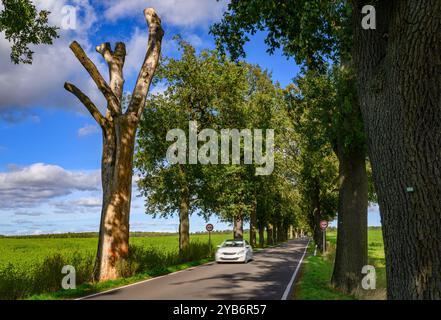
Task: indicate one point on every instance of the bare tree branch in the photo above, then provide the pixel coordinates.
(115, 60)
(96, 114)
(112, 100)
(150, 63)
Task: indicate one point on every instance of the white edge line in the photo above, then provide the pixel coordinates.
(140, 282)
(289, 286)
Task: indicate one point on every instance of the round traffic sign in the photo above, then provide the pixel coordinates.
(209, 227)
(323, 224)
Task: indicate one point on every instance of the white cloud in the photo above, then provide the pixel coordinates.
(41, 84)
(80, 205)
(183, 13)
(25, 187)
(88, 130)
(87, 202)
(28, 213)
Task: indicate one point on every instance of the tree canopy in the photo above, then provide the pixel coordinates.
(24, 26)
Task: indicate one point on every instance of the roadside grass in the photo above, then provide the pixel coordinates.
(316, 273)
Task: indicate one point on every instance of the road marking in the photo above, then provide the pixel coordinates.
(288, 288)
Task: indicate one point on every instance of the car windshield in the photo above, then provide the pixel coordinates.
(232, 243)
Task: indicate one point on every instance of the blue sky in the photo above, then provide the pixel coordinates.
(50, 148)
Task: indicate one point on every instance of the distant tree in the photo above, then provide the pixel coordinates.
(119, 127)
(23, 25)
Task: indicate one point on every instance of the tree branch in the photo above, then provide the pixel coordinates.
(96, 114)
(115, 60)
(112, 100)
(150, 63)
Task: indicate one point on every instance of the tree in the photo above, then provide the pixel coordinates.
(328, 101)
(315, 32)
(399, 81)
(119, 130)
(23, 25)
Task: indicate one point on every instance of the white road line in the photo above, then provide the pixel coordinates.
(288, 288)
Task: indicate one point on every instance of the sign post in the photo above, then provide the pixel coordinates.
(209, 227)
(324, 226)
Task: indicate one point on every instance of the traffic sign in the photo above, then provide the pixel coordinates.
(209, 227)
(323, 224)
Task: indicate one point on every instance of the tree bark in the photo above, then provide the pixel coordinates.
(253, 227)
(351, 252)
(280, 232)
(184, 221)
(117, 165)
(316, 216)
(261, 235)
(119, 133)
(275, 233)
(269, 234)
(238, 228)
(399, 81)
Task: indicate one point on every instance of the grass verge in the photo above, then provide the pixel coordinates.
(315, 277)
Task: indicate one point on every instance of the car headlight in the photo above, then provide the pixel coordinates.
(241, 252)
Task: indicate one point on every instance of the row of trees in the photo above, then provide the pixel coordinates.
(383, 90)
(386, 106)
(218, 94)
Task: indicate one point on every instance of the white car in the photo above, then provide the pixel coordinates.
(234, 251)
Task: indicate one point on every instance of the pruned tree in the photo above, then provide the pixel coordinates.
(119, 128)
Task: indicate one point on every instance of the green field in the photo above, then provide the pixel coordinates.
(26, 251)
(314, 283)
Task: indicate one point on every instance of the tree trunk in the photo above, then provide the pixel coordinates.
(399, 81)
(238, 228)
(117, 163)
(184, 220)
(351, 252)
(316, 216)
(280, 232)
(261, 235)
(269, 234)
(253, 227)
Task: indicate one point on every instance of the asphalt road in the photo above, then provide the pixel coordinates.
(266, 277)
